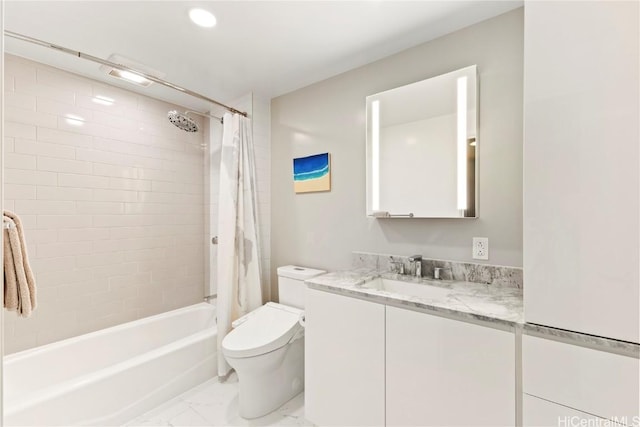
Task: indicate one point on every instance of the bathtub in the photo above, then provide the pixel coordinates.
(110, 376)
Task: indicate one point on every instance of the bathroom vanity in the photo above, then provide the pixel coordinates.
(379, 357)
(389, 349)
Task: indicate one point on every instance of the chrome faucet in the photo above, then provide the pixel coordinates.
(416, 260)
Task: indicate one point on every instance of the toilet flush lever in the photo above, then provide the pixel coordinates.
(214, 240)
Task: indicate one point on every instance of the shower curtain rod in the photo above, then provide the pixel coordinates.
(119, 67)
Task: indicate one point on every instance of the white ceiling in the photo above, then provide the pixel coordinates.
(268, 47)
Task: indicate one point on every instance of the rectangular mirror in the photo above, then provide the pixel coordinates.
(422, 148)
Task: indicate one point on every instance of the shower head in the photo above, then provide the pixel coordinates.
(182, 121)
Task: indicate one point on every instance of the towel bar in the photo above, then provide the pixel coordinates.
(8, 225)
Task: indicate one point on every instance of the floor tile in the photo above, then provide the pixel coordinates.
(215, 403)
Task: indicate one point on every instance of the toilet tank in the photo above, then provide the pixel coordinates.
(291, 287)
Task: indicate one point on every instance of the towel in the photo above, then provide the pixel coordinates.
(11, 299)
(19, 281)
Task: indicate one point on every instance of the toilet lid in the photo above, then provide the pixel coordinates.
(268, 328)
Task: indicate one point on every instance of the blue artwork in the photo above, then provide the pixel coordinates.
(312, 173)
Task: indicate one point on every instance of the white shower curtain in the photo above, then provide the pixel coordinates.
(239, 289)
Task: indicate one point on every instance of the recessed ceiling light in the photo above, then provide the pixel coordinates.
(202, 17)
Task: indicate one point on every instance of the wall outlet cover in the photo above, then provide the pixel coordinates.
(480, 248)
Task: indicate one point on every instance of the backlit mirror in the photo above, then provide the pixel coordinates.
(422, 148)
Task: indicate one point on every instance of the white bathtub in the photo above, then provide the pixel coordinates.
(111, 376)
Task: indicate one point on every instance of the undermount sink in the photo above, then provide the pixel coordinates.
(407, 288)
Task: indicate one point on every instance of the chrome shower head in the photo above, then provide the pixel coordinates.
(182, 121)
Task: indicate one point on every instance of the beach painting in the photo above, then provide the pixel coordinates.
(312, 173)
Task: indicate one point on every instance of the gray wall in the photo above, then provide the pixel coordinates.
(322, 229)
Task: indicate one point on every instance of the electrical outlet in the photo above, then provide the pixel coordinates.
(480, 248)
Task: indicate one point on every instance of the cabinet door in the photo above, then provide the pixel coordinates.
(594, 381)
(344, 360)
(542, 413)
(446, 372)
(581, 175)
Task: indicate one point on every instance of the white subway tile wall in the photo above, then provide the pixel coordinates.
(111, 197)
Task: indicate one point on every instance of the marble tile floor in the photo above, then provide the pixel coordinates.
(213, 403)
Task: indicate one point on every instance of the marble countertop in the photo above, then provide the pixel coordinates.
(599, 343)
(475, 301)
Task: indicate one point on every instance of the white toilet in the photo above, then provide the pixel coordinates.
(266, 347)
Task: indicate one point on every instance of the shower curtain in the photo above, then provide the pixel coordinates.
(239, 289)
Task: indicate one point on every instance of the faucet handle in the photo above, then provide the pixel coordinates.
(395, 265)
(437, 272)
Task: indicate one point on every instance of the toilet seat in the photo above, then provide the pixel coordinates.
(265, 329)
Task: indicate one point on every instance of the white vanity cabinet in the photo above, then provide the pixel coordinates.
(576, 378)
(344, 360)
(370, 364)
(441, 371)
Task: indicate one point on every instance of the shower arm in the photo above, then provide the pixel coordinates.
(120, 67)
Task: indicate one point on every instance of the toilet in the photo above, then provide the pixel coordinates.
(266, 347)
